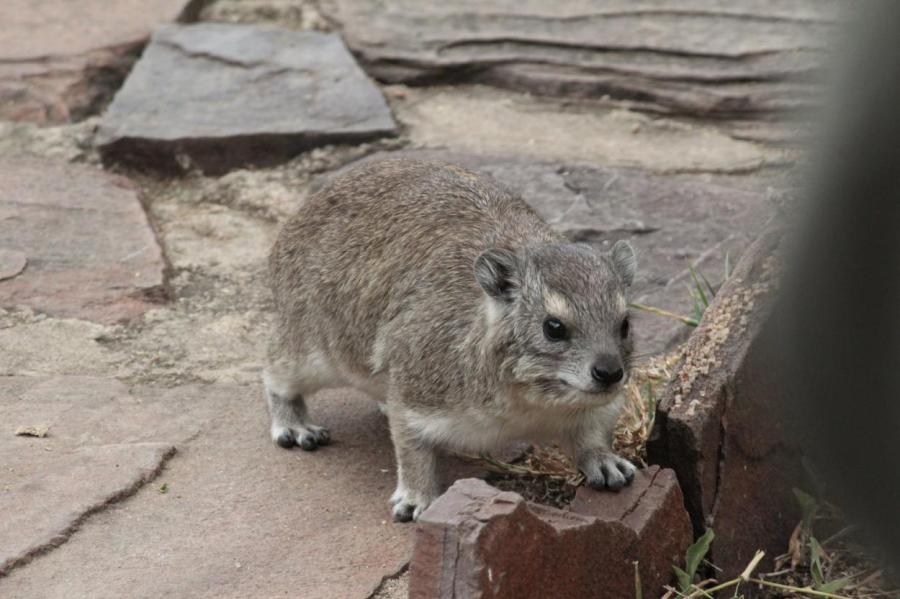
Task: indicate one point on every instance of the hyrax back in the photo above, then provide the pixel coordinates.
(453, 304)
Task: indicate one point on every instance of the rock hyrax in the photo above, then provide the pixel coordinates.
(449, 301)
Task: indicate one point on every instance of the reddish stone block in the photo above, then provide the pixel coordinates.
(476, 541)
(719, 426)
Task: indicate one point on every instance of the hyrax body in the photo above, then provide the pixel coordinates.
(450, 302)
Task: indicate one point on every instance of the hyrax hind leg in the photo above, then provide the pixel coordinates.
(286, 383)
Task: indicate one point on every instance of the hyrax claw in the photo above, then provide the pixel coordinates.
(286, 439)
(605, 470)
(309, 437)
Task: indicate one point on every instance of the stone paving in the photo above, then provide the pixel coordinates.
(276, 93)
(133, 305)
(87, 246)
(707, 57)
(60, 61)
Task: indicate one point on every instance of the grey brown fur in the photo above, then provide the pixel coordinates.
(428, 287)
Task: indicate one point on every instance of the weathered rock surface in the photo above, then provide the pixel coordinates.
(704, 57)
(477, 542)
(102, 446)
(239, 517)
(70, 142)
(91, 251)
(61, 60)
(12, 263)
(218, 96)
(483, 120)
(674, 222)
(720, 428)
(51, 494)
(33, 345)
(290, 14)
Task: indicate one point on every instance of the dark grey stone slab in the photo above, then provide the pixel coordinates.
(218, 96)
(696, 56)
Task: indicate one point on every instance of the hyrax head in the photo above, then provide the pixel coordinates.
(560, 314)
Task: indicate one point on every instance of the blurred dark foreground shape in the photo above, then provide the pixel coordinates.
(838, 332)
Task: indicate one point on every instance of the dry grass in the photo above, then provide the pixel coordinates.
(846, 571)
(645, 383)
(840, 561)
(837, 568)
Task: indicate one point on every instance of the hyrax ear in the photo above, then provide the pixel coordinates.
(497, 271)
(624, 261)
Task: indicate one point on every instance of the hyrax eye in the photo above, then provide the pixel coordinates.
(623, 330)
(554, 330)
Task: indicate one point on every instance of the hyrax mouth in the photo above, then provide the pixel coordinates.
(594, 391)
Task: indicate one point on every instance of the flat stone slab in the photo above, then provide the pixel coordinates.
(476, 542)
(673, 221)
(61, 60)
(37, 345)
(48, 495)
(239, 517)
(90, 250)
(514, 124)
(704, 57)
(719, 424)
(218, 96)
(101, 445)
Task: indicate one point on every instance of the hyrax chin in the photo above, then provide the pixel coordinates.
(451, 303)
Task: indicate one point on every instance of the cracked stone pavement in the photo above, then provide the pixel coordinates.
(134, 309)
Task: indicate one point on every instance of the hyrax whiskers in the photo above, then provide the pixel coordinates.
(450, 302)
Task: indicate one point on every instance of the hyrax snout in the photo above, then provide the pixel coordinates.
(451, 303)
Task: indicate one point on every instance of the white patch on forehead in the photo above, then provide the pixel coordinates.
(621, 304)
(493, 312)
(556, 304)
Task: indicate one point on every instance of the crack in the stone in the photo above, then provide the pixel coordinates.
(654, 12)
(386, 579)
(720, 459)
(63, 536)
(653, 50)
(637, 501)
(243, 64)
(209, 56)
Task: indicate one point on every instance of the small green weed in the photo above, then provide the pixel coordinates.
(702, 293)
(812, 568)
(692, 560)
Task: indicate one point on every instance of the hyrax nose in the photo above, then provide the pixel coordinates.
(607, 371)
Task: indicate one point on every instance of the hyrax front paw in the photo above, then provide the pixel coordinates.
(408, 505)
(606, 470)
(309, 436)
